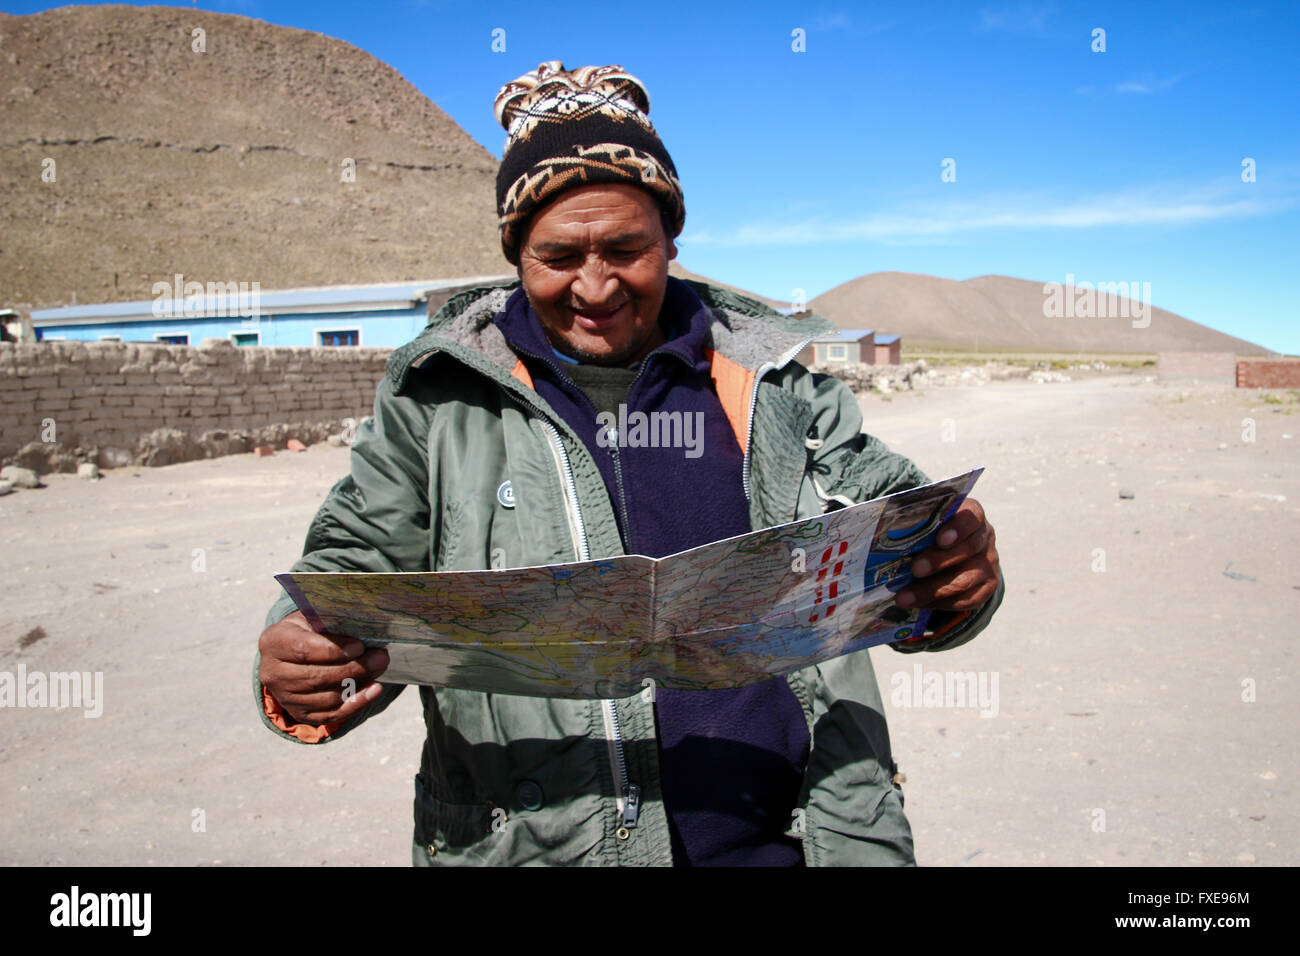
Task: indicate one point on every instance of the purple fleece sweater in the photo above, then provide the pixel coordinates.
(731, 761)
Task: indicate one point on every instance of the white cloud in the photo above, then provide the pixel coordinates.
(836, 21)
(1147, 85)
(868, 22)
(1028, 19)
(932, 222)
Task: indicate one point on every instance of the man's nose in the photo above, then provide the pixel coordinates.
(596, 284)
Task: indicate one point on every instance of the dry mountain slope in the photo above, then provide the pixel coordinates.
(999, 312)
(224, 164)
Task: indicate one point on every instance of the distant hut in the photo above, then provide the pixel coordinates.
(842, 347)
(889, 349)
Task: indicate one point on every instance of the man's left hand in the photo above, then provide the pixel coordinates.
(960, 573)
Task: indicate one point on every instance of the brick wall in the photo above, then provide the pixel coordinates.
(113, 402)
(1208, 365)
(1268, 373)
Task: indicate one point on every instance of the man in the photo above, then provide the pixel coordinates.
(488, 448)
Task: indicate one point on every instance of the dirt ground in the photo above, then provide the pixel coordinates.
(1145, 672)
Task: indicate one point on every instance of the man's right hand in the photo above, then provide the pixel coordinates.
(318, 678)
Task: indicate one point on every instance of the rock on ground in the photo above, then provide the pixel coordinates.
(20, 477)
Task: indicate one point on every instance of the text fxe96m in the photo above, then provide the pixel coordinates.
(652, 430)
(76, 908)
(55, 690)
(1211, 897)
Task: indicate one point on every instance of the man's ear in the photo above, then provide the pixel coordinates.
(672, 250)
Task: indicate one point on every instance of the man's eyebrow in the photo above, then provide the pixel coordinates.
(619, 240)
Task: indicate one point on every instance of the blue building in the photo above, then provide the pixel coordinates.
(385, 314)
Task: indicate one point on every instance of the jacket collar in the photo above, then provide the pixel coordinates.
(742, 330)
(684, 319)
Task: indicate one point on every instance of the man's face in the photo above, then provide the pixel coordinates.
(594, 264)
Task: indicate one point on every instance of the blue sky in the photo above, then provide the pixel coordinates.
(807, 169)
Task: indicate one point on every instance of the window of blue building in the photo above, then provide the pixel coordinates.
(338, 336)
(246, 338)
(182, 338)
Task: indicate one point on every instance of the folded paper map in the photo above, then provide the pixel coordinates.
(725, 614)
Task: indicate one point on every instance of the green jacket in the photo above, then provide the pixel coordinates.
(523, 780)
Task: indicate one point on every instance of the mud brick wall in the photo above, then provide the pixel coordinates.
(1268, 373)
(114, 402)
(1211, 365)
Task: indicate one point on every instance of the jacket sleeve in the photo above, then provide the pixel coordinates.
(376, 519)
(849, 463)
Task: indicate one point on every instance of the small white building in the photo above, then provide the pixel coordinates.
(846, 345)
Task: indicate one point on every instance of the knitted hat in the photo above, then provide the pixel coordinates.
(574, 128)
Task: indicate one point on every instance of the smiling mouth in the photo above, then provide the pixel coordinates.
(595, 319)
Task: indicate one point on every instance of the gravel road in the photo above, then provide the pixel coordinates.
(1139, 681)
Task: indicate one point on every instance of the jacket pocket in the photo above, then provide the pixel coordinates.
(450, 834)
(881, 836)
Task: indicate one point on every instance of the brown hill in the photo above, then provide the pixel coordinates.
(224, 164)
(999, 312)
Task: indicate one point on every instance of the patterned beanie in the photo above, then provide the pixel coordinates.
(574, 128)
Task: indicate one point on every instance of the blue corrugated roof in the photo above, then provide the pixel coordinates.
(886, 339)
(844, 335)
(285, 300)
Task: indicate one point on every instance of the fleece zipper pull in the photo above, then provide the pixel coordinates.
(631, 804)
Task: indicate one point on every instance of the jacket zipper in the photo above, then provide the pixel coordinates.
(629, 803)
(628, 800)
(749, 426)
(763, 369)
(618, 477)
(570, 486)
(618, 463)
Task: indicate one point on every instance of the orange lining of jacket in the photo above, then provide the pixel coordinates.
(520, 371)
(732, 381)
(958, 618)
(304, 732)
